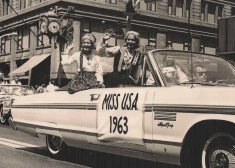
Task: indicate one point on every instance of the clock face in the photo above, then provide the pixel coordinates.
(54, 27)
(43, 26)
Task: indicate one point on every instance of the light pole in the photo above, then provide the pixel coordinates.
(129, 12)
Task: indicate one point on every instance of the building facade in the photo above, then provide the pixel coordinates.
(160, 24)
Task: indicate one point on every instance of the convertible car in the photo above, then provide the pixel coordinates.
(181, 112)
(8, 93)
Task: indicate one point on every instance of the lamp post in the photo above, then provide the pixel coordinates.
(129, 12)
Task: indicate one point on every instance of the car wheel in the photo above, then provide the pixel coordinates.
(56, 146)
(219, 151)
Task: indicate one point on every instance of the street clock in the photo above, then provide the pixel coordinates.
(43, 25)
(53, 27)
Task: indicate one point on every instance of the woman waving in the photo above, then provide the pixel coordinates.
(90, 72)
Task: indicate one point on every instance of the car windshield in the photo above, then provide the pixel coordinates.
(18, 90)
(179, 67)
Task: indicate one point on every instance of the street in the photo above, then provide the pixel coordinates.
(23, 151)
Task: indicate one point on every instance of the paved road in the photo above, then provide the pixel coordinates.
(19, 150)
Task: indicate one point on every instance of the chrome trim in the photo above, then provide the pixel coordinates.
(58, 106)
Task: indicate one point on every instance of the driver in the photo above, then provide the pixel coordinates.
(200, 73)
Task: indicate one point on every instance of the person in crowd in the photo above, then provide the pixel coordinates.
(1, 81)
(44, 88)
(41, 89)
(36, 87)
(15, 80)
(200, 73)
(51, 87)
(127, 60)
(15, 89)
(90, 71)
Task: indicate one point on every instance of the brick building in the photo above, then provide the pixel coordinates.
(160, 24)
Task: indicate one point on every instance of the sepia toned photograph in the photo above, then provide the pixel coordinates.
(117, 84)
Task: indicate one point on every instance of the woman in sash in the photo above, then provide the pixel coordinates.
(127, 61)
(90, 72)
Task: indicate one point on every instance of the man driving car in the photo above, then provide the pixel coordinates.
(200, 73)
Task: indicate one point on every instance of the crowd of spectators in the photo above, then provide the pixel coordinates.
(51, 87)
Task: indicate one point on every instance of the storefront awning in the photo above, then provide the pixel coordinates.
(32, 62)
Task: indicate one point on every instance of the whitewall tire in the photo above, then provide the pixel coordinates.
(56, 147)
(219, 151)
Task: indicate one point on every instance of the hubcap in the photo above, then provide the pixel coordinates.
(55, 142)
(221, 159)
(2, 119)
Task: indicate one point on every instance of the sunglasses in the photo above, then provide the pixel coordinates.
(201, 73)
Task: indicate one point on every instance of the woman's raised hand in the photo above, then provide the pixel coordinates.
(69, 47)
(108, 34)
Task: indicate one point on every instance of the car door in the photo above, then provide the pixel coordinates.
(121, 119)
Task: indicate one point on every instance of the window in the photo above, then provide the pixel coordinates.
(24, 3)
(208, 45)
(233, 11)
(3, 45)
(179, 8)
(178, 41)
(25, 37)
(152, 42)
(202, 46)
(186, 42)
(169, 40)
(220, 12)
(170, 2)
(20, 39)
(5, 7)
(152, 34)
(188, 7)
(8, 44)
(203, 6)
(211, 13)
(111, 1)
(151, 7)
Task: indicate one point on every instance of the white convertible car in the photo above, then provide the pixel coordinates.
(182, 112)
